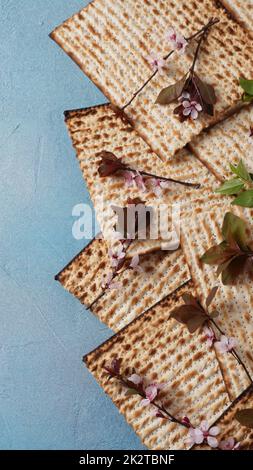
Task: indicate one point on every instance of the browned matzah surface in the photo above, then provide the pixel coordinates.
(229, 426)
(162, 350)
(110, 40)
(162, 274)
(225, 143)
(233, 302)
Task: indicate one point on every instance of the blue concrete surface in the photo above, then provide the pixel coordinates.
(48, 400)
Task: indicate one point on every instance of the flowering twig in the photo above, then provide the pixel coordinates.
(112, 276)
(195, 316)
(202, 32)
(136, 387)
(119, 260)
(233, 255)
(233, 350)
(111, 165)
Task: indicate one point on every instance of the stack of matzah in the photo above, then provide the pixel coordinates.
(109, 41)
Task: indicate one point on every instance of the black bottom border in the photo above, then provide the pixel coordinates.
(108, 459)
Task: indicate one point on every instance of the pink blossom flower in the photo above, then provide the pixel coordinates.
(117, 257)
(139, 181)
(135, 379)
(210, 336)
(158, 186)
(191, 108)
(132, 177)
(151, 393)
(177, 40)
(225, 344)
(135, 264)
(204, 434)
(129, 178)
(229, 444)
(156, 62)
(109, 284)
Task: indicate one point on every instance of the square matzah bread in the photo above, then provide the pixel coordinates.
(234, 303)
(163, 273)
(161, 350)
(98, 129)
(225, 143)
(109, 40)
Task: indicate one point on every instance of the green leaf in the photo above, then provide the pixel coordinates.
(230, 187)
(234, 230)
(171, 93)
(245, 199)
(241, 171)
(247, 98)
(247, 85)
(207, 91)
(245, 417)
(131, 392)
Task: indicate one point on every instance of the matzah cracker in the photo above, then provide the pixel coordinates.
(98, 129)
(234, 303)
(110, 41)
(230, 427)
(161, 350)
(163, 273)
(225, 143)
(242, 11)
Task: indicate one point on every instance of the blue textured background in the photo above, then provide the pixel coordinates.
(48, 400)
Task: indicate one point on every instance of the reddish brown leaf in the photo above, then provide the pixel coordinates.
(190, 316)
(211, 296)
(109, 164)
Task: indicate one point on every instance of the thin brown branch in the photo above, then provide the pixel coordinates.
(202, 32)
(115, 274)
(159, 406)
(163, 178)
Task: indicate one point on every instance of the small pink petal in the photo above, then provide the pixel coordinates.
(237, 446)
(151, 392)
(214, 431)
(204, 426)
(187, 111)
(135, 378)
(145, 402)
(194, 114)
(198, 107)
(197, 435)
(228, 444)
(129, 178)
(212, 441)
(186, 104)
